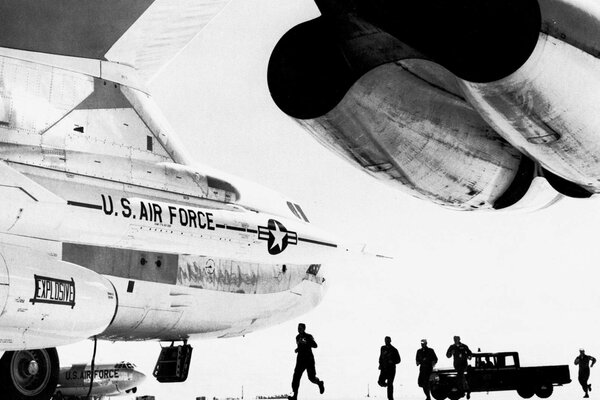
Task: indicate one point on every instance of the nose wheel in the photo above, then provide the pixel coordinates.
(29, 374)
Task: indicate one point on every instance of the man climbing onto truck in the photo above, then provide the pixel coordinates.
(461, 353)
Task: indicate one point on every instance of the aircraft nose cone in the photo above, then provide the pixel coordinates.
(138, 377)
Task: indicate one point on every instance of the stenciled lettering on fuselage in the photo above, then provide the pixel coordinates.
(153, 212)
(53, 291)
(277, 236)
(75, 374)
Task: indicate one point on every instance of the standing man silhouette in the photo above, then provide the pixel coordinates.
(583, 360)
(426, 360)
(461, 353)
(305, 361)
(388, 358)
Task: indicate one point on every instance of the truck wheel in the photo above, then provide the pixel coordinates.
(455, 394)
(438, 393)
(526, 392)
(29, 374)
(544, 391)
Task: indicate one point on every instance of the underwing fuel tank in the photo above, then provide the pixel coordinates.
(46, 302)
(461, 103)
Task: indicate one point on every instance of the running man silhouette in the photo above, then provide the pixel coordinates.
(305, 361)
(426, 360)
(583, 360)
(388, 358)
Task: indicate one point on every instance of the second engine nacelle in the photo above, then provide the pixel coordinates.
(46, 302)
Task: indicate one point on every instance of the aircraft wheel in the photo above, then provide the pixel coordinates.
(29, 374)
(544, 391)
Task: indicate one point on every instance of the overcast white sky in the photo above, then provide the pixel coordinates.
(525, 282)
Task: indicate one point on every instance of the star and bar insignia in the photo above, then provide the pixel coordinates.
(277, 236)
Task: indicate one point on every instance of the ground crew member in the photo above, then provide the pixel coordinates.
(583, 360)
(305, 361)
(388, 358)
(426, 360)
(461, 353)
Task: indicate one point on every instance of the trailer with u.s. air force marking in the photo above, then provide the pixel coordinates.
(108, 380)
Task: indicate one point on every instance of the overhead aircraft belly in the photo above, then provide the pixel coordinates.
(399, 118)
(361, 75)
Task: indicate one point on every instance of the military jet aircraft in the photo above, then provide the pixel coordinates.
(108, 227)
(110, 380)
(473, 105)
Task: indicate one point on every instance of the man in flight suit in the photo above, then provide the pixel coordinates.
(388, 358)
(426, 360)
(461, 354)
(305, 361)
(583, 360)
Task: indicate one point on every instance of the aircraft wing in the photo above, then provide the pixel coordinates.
(145, 34)
(16, 186)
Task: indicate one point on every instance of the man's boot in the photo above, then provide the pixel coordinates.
(321, 387)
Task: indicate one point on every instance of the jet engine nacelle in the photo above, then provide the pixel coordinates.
(376, 102)
(548, 108)
(446, 99)
(46, 302)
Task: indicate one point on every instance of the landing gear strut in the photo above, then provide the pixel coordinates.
(173, 363)
(29, 374)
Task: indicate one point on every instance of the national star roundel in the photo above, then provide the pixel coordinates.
(277, 236)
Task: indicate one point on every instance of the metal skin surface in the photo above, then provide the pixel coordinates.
(47, 302)
(109, 380)
(420, 137)
(546, 110)
(442, 100)
(109, 228)
(94, 180)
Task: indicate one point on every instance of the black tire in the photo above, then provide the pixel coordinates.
(438, 393)
(526, 392)
(456, 394)
(29, 374)
(544, 390)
